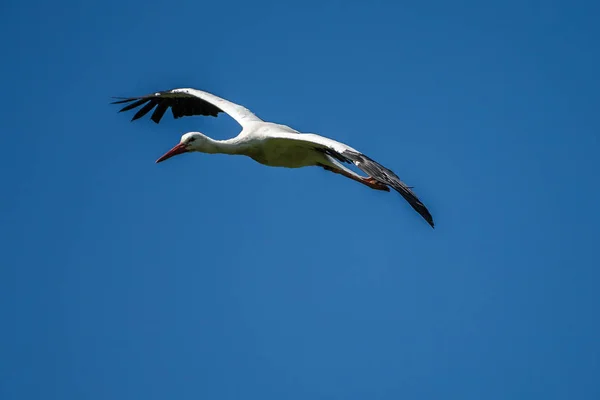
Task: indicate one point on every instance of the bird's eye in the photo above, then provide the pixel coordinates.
(192, 139)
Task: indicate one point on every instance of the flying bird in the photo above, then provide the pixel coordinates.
(265, 142)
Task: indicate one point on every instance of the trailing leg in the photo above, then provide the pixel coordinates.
(368, 181)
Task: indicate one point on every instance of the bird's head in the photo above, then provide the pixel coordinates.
(191, 141)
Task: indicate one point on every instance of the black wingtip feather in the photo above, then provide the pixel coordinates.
(144, 110)
(122, 100)
(159, 112)
(387, 177)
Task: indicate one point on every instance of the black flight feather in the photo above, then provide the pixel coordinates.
(387, 177)
(181, 104)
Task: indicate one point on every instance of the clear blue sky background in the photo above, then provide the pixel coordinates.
(213, 277)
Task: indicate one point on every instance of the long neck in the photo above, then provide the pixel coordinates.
(229, 146)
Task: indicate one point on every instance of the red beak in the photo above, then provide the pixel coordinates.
(179, 149)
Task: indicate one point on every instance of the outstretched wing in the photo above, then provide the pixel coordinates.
(186, 102)
(388, 177)
(344, 153)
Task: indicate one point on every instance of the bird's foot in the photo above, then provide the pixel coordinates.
(375, 184)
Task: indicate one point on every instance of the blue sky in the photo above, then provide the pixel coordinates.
(214, 277)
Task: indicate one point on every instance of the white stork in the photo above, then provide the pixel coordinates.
(266, 142)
